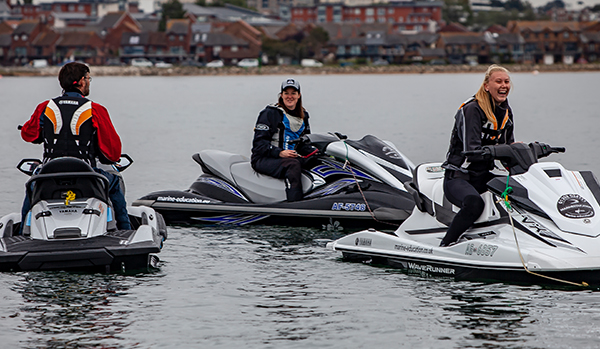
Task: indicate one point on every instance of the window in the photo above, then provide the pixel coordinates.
(321, 14)
(391, 11)
(341, 50)
(234, 48)
(566, 35)
(381, 11)
(337, 14)
(134, 40)
(24, 37)
(355, 50)
(171, 37)
(370, 12)
(217, 49)
(16, 37)
(381, 19)
(357, 11)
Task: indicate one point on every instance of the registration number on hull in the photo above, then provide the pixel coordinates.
(342, 206)
(486, 250)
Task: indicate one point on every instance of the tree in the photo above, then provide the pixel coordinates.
(314, 42)
(221, 3)
(170, 10)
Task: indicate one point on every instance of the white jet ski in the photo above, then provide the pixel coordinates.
(547, 232)
(71, 224)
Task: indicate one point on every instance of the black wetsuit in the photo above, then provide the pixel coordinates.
(466, 178)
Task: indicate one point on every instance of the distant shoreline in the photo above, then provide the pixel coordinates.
(296, 70)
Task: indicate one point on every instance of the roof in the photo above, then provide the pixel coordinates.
(508, 38)
(346, 30)
(110, 19)
(539, 26)
(230, 13)
(25, 27)
(5, 40)
(76, 38)
(177, 26)
(463, 39)
(46, 38)
(148, 24)
(590, 37)
(454, 28)
(144, 39)
(222, 39)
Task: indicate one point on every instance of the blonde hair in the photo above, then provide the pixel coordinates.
(483, 97)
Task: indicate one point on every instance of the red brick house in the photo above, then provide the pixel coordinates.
(81, 46)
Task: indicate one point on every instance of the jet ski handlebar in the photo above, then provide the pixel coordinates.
(517, 157)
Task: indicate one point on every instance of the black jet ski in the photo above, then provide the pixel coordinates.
(71, 224)
(540, 225)
(350, 184)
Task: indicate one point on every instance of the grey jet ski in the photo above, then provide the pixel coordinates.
(349, 184)
(71, 224)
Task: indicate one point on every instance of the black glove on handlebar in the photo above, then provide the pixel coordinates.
(542, 149)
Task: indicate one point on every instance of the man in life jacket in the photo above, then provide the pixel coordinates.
(72, 125)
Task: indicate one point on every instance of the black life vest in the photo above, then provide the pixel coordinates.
(68, 129)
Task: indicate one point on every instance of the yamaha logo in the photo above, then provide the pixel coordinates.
(574, 206)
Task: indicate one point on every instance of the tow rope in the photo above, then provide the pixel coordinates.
(504, 197)
(347, 165)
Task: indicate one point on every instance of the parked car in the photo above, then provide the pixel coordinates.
(248, 63)
(215, 64)
(114, 62)
(141, 62)
(39, 63)
(161, 64)
(191, 63)
(380, 62)
(437, 61)
(309, 62)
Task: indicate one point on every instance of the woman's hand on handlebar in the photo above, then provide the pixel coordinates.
(288, 154)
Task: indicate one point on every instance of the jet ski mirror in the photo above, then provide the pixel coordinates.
(123, 163)
(28, 166)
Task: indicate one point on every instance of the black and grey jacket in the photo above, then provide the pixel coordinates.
(472, 130)
(269, 133)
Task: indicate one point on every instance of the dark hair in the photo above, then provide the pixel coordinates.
(298, 112)
(70, 74)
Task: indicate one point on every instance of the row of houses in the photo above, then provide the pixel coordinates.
(206, 34)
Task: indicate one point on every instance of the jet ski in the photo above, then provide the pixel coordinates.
(539, 225)
(348, 184)
(71, 224)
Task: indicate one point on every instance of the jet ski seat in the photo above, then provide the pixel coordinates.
(60, 176)
(235, 168)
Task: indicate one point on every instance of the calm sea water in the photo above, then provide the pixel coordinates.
(277, 287)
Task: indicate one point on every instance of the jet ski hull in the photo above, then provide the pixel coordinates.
(106, 253)
(337, 212)
(481, 256)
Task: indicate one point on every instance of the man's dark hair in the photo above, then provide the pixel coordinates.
(70, 74)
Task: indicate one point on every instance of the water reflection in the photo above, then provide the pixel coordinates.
(63, 310)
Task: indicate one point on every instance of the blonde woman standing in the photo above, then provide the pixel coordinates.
(485, 119)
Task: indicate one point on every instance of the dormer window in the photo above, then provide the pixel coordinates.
(134, 40)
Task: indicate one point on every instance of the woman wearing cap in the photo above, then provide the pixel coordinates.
(484, 119)
(277, 125)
